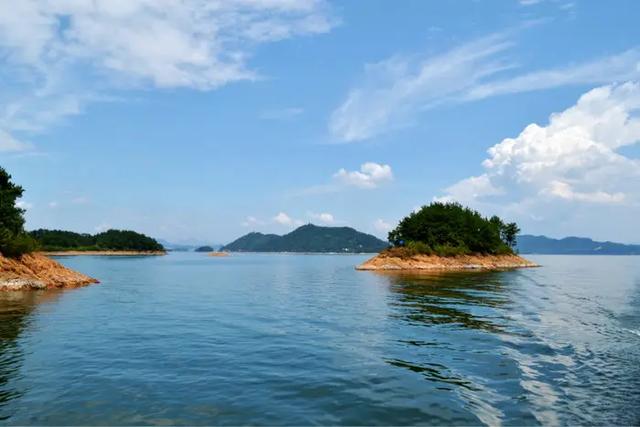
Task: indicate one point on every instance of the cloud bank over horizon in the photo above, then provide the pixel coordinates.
(572, 164)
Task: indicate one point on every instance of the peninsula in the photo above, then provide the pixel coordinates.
(107, 243)
(21, 268)
(449, 237)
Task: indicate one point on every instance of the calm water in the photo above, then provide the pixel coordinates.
(284, 339)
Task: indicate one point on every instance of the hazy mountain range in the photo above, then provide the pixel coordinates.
(528, 244)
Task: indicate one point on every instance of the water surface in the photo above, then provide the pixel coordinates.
(306, 339)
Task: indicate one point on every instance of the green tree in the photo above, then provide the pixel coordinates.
(450, 228)
(13, 239)
(509, 234)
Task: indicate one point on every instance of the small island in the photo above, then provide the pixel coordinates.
(204, 249)
(449, 237)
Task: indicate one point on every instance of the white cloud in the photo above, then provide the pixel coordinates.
(9, 144)
(53, 204)
(281, 113)
(395, 91)
(102, 227)
(59, 55)
(252, 221)
(575, 158)
(370, 175)
(283, 218)
(324, 217)
(382, 226)
(24, 205)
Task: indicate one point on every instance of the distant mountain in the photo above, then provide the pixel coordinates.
(528, 244)
(309, 238)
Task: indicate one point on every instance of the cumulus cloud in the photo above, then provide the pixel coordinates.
(393, 92)
(59, 55)
(370, 175)
(252, 221)
(323, 217)
(284, 219)
(24, 205)
(575, 158)
(382, 226)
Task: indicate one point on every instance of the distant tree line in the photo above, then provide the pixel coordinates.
(14, 241)
(114, 240)
(448, 229)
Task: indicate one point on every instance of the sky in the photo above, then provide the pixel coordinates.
(199, 121)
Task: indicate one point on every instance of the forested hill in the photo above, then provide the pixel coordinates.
(528, 244)
(309, 238)
(111, 240)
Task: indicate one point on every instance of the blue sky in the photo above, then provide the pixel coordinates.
(204, 120)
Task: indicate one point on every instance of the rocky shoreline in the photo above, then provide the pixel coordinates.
(218, 254)
(37, 272)
(104, 253)
(422, 263)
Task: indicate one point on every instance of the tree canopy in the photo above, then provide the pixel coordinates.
(451, 229)
(115, 240)
(13, 239)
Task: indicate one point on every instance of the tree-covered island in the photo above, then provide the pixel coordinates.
(449, 236)
(447, 229)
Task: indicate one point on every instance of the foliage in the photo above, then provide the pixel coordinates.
(309, 238)
(449, 229)
(13, 240)
(116, 240)
(204, 249)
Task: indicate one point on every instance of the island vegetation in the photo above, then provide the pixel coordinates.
(204, 249)
(448, 229)
(309, 238)
(449, 236)
(110, 240)
(14, 241)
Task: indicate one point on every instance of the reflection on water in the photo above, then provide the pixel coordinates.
(455, 299)
(15, 311)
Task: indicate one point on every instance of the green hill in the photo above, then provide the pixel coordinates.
(309, 238)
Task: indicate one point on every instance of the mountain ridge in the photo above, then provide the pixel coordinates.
(531, 244)
(309, 238)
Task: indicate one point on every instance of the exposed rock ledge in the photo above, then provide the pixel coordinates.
(386, 262)
(36, 271)
(218, 254)
(105, 253)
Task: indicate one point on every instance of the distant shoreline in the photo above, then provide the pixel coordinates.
(104, 253)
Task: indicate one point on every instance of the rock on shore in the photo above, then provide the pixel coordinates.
(36, 271)
(386, 262)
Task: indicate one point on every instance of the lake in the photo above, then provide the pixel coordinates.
(306, 339)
